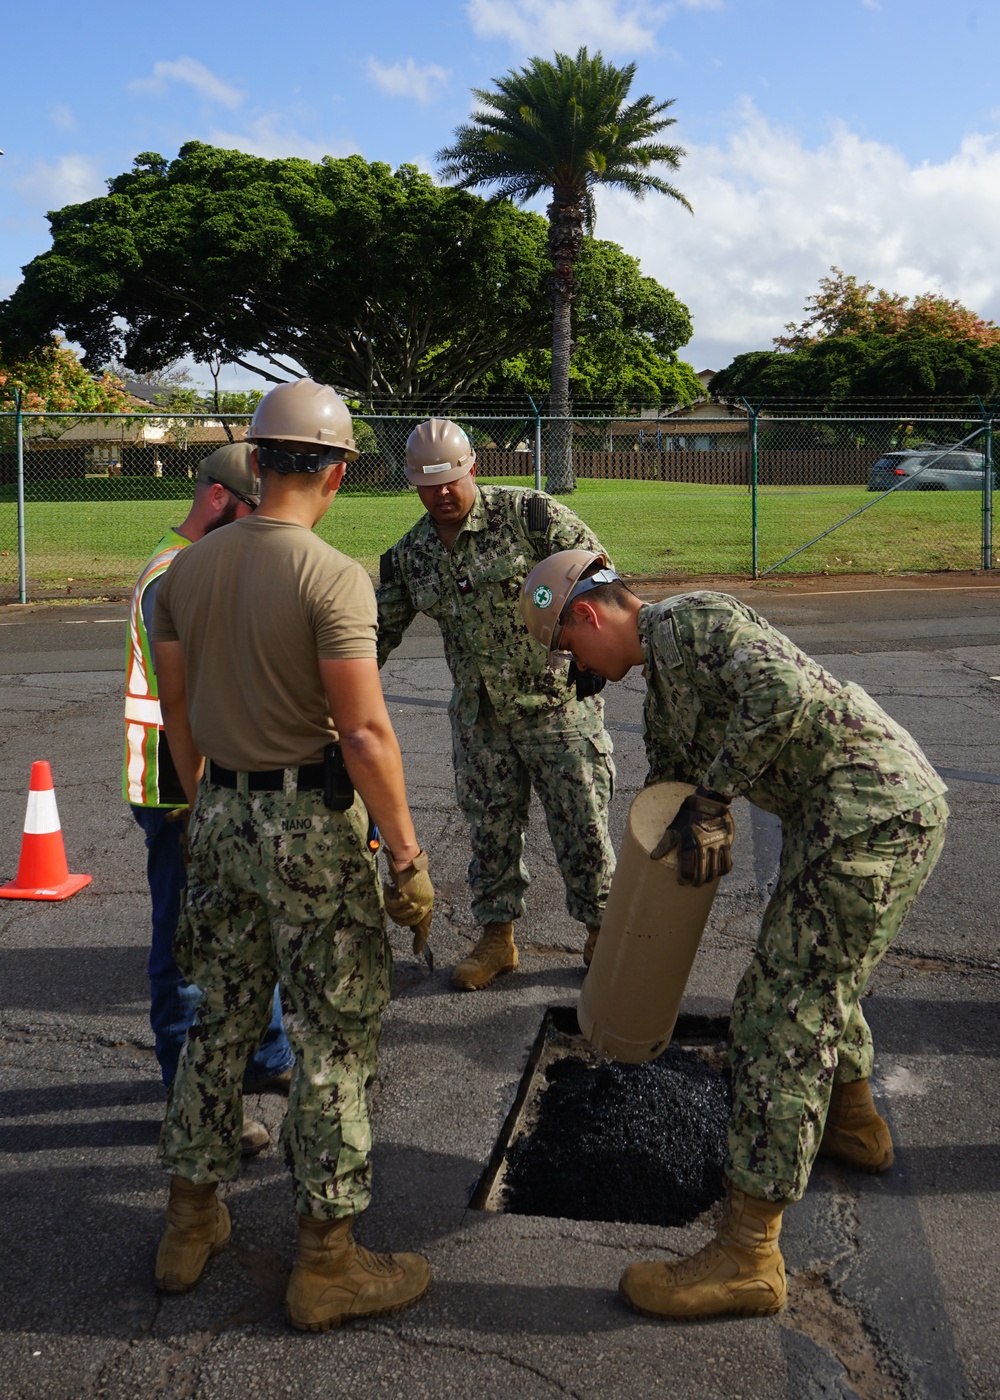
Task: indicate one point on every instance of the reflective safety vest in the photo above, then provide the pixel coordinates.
(149, 778)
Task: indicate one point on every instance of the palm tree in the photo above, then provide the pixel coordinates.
(564, 126)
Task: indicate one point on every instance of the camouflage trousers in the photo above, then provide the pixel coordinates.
(570, 767)
(797, 1025)
(281, 888)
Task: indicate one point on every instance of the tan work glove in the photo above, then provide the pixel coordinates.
(704, 830)
(409, 897)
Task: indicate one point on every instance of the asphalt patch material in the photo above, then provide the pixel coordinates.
(636, 1144)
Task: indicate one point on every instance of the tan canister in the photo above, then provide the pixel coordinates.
(649, 937)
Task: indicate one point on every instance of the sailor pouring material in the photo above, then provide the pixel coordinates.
(652, 928)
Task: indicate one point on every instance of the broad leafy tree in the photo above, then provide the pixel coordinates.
(845, 370)
(564, 127)
(407, 296)
(376, 281)
(403, 294)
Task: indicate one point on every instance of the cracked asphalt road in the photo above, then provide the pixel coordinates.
(893, 1280)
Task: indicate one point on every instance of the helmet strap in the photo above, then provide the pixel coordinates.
(602, 576)
(284, 461)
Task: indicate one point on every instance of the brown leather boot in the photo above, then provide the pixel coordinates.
(854, 1131)
(494, 953)
(593, 934)
(741, 1271)
(197, 1227)
(335, 1279)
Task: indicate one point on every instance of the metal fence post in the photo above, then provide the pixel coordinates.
(754, 554)
(988, 497)
(538, 443)
(22, 568)
(987, 554)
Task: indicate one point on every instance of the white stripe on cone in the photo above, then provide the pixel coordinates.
(42, 816)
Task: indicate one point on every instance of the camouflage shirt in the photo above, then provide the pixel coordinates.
(472, 592)
(734, 705)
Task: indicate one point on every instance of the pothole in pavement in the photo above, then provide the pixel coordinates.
(591, 1139)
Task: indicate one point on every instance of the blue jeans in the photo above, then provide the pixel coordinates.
(172, 1001)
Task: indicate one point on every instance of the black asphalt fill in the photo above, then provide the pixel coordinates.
(636, 1144)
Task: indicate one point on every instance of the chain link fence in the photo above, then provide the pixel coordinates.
(86, 498)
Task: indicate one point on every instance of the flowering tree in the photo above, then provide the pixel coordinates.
(843, 306)
(52, 380)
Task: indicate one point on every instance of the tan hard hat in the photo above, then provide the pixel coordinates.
(549, 587)
(306, 412)
(437, 452)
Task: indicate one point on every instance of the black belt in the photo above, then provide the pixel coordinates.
(309, 778)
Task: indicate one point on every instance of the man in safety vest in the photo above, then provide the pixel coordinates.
(226, 490)
(734, 707)
(515, 725)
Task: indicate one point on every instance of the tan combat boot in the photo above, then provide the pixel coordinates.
(740, 1271)
(494, 953)
(254, 1137)
(854, 1131)
(335, 1279)
(593, 934)
(197, 1227)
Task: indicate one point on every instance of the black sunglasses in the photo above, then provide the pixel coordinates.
(246, 500)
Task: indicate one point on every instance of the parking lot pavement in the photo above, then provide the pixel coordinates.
(894, 1290)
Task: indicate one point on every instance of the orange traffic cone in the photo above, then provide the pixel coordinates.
(42, 872)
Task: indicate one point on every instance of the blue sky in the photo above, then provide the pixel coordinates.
(864, 133)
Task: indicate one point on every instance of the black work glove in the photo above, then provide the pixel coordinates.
(587, 682)
(704, 830)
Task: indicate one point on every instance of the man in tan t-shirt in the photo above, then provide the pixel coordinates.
(265, 652)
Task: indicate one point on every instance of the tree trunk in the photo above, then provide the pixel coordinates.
(566, 218)
(390, 435)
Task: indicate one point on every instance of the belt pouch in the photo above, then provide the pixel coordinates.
(338, 790)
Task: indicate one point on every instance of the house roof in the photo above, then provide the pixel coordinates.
(147, 428)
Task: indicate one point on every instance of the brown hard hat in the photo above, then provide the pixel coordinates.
(306, 412)
(551, 585)
(437, 452)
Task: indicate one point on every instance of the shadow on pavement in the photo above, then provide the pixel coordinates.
(96, 979)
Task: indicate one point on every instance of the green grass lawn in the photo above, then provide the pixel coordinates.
(648, 527)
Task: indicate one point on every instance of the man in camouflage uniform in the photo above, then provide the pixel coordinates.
(226, 490)
(733, 706)
(264, 643)
(515, 724)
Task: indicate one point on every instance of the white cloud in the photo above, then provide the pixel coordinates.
(62, 117)
(409, 79)
(267, 136)
(68, 180)
(535, 26)
(772, 217)
(195, 75)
